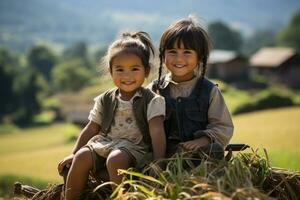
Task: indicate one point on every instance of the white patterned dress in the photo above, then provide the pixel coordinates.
(124, 133)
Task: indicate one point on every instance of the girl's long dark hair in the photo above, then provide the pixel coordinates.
(189, 33)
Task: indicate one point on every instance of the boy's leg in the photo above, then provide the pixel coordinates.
(118, 159)
(78, 174)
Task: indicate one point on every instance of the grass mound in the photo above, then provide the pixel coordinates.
(244, 176)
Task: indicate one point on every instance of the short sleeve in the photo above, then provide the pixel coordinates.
(156, 107)
(95, 113)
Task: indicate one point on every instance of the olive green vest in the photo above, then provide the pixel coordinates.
(109, 104)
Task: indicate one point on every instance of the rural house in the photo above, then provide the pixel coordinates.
(76, 107)
(227, 65)
(278, 64)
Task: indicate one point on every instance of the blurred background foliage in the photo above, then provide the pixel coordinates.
(50, 54)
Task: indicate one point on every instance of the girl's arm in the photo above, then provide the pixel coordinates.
(90, 130)
(158, 137)
(86, 134)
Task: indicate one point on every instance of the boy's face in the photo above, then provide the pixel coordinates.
(128, 74)
(181, 62)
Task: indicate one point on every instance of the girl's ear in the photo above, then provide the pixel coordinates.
(147, 72)
(110, 70)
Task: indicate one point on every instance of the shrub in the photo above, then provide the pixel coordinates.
(71, 133)
(265, 100)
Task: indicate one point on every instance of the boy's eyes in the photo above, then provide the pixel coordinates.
(188, 51)
(171, 51)
(184, 51)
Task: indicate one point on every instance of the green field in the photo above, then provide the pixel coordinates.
(35, 152)
(277, 130)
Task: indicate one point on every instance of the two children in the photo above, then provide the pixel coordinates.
(128, 123)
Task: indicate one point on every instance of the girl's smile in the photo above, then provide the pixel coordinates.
(128, 74)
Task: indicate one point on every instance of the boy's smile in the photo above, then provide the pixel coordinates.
(128, 74)
(181, 62)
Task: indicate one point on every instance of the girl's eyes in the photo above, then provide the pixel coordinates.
(135, 69)
(122, 70)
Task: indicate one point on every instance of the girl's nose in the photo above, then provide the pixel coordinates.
(127, 74)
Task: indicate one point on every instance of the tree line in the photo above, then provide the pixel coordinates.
(26, 80)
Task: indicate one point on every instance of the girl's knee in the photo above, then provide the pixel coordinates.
(119, 159)
(83, 157)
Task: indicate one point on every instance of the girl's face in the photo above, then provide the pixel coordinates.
(128, 74)
(181, 62)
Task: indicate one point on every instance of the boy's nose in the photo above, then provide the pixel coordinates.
(179, 58)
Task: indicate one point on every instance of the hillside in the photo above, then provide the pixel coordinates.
(64, 22)
(41, 148)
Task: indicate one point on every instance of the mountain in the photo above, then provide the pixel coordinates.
(23, 23)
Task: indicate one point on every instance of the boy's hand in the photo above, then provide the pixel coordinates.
(196, 143)
(67, 161)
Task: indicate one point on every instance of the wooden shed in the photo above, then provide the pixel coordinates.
(227, 65)
(278, 64)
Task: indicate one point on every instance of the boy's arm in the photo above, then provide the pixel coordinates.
(196, 143)
(158, 137)
(90, 130)
(220, 126)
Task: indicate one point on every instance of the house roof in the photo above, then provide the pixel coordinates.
(221, 56)
(271, 56)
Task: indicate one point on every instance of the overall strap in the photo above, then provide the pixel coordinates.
(203, 88)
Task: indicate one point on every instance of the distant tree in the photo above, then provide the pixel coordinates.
(259, 39)
(99, 54)
(8, 68)
(71, 75)
(27, 90)
(290, 36)
(224, 37)
(42, 59)
(78, 50)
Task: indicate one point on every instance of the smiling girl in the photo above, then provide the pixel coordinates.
(126, 123)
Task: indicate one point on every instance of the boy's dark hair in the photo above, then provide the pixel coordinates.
(188, 32)
(138, 43)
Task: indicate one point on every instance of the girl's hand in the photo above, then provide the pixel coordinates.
(67, 161)
(196, 143)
